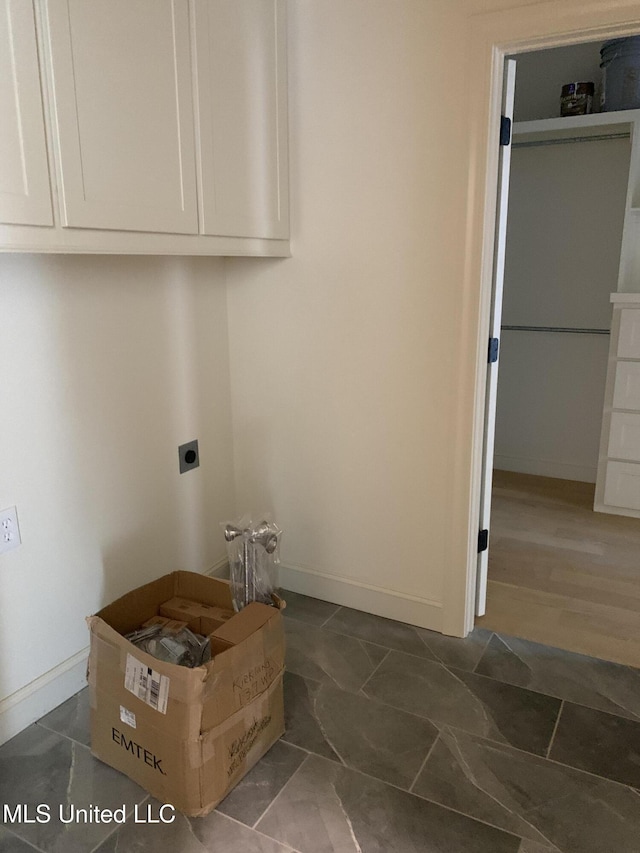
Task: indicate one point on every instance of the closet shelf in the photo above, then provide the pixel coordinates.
(568, 127)
(622, 298)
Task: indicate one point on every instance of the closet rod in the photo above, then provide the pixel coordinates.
(554, 329)
(536, 143)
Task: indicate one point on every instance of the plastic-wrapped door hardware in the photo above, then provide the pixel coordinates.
(253, 550)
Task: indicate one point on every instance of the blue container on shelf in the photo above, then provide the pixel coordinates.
(621, 74)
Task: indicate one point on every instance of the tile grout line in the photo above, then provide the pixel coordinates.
(86, 746)
(453, 669)
(296, 746)
(535, 755)
(424, 763)
(361, 695)
(555, 729)
(352, 769)
(62, 734)
(253, 829)
(373, 673)
(426, 644)
(477, 819)
(118, 826)
(492, 634)
(373, 778)
(329, 618)
(24, 840)
(349, 636)
(286, 785)
(323, 732)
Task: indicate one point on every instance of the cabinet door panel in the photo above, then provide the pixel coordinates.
(124, 115)
(624, 436)
(242, 117)
(25, 192)
(626, 393)
(629, 340)
(622, 485)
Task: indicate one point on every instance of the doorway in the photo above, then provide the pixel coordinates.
(492, 37)
(558, 572)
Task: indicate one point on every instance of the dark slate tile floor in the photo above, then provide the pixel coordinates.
(398, 740)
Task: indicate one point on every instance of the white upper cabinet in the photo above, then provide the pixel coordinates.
(144, 126)
(25, 193)
(122, 114)
(241, 111)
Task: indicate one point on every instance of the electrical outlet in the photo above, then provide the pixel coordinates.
(188, 456)
(9, 530)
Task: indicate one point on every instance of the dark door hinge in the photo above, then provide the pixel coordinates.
(494, 345)
(483, 541)
(505, 130)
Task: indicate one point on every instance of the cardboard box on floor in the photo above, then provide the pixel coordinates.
(186, 735)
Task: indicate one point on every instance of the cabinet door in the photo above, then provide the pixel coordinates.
(121, 76)
(25, 192)
(242, 117)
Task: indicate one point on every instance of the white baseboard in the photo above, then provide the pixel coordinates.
(42, 695)
(360, 596)
(546, 468)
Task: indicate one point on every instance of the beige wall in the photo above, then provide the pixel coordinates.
(341, 359)
(108, 364)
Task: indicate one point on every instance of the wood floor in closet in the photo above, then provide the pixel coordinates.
(560, 573)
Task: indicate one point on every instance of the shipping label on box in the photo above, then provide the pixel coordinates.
(147, 684)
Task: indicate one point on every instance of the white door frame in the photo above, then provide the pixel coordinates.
(490, 38)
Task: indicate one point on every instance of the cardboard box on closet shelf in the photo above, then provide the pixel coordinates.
(186, 735)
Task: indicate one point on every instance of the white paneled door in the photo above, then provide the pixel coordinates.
(508, 92)
(123, 114)
(25, 192)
